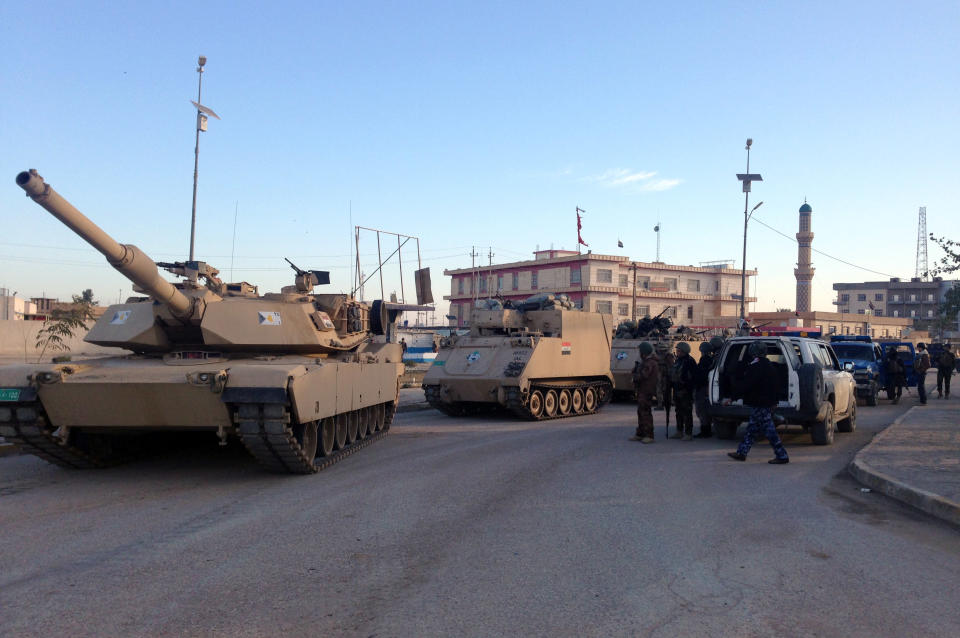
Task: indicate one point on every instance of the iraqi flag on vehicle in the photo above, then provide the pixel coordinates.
(565, 347)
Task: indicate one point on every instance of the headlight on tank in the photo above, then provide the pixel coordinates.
(214, 380)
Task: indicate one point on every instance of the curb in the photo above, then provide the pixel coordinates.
(928, 502)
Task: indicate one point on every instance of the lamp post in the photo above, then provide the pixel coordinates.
(202, 112)
(746, 178)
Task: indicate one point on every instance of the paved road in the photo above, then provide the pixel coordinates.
(477, 527)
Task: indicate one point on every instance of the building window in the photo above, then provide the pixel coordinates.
(623, 309)
(623, 281)
(929, 314)
(460, 286)
(483, 284)
(533, 280)
(643, 311)
(913, 297)
(878, 296)
(605, 276)
(671, 283)
(913, 313)
(930, 297)
(844, 298)
(643, 283)
(896, 297)
(716, 286)
(861, 297)
(516, 281)
(574, 275)
(860, 311)
(690, 310)
(878, 312)
(693, 285)
(896, 313)
(844, 311)
(605, 306)
(499, 282)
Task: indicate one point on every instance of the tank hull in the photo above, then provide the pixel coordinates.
(78, 414)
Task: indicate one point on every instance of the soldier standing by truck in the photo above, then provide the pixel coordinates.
(665, 360)
(646, 377)
(684, 381)
(945, 368)
(921, 364)
(896, 375)
(708, 358)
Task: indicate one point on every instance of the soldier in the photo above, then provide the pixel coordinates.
(895, 375)
(759, 391)
(945, 369)
(684, 381)
(921, 364)
(646, 377)
(700, 395)
(665, 360)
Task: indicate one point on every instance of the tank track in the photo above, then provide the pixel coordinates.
(26, 425)
(265, 430)
(515, 400)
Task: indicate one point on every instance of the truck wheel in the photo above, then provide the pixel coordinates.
(849, 424)
(811, 387)
(822, 431)
(872, 397)
(726, 429)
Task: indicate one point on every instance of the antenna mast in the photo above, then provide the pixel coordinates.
(922, 266)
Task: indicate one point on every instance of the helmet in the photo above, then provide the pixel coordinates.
(646, 349)
(757, 349)
(716, 342)
(921, 346)
(705, 347)
(683, 347)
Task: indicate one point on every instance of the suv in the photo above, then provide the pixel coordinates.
(867, 359)
(815, 390)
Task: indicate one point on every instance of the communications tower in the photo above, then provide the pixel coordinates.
(922, 266)
(804, 270)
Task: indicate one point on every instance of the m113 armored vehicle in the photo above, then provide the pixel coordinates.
(625, 351)
(302, 379)
(540, 359)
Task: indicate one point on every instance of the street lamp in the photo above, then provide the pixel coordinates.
(202, 113)
(746, 178)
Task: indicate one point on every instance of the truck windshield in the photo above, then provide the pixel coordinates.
(849, 351)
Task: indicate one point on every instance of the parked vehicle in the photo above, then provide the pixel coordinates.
(867, 359)
(816, 391)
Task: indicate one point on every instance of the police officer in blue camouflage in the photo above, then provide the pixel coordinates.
(759, 391)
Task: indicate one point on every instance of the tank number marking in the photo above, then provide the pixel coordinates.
(9, 394)
(621, 355)
(473, 356)
(520, 355)
(120, 316)
(271, 318)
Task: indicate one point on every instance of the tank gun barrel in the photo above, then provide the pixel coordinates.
(126, 258)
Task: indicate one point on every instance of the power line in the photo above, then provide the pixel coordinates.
(820, 252)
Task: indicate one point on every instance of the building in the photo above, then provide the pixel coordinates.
(804, 270)
(701, 296)
(14, 307)
(915, 299)
(834, 323)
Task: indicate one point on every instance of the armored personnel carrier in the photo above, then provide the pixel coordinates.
(540, 359)
(625, 351)
(302, 379)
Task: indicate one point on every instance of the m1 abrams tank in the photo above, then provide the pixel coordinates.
(299, 377)
(540, 359)
(625, 352)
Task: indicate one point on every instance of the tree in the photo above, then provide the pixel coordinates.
(949, 308)
(64, 323)
(950, 262)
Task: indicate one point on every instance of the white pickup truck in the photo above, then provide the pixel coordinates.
(815, 391)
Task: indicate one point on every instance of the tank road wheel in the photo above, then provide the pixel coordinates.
(536, 404)
(550, 403)
(563, 402)
(381, 416)
(352, 417)
(306, 435)
(328, 434)
(589, 400)
(363, 424)
(340, 441)
(576, 401)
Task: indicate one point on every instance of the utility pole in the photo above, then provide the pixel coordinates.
(633, 305)
(746, 178)
(490, 264)
(202, 112)
(473, 269)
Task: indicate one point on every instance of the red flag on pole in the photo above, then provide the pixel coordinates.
(579, 226)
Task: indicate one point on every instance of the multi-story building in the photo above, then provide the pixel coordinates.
(915, 299)
(833, 323)
(14, 307)
(701, 296)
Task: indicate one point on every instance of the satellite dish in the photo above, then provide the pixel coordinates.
(205, 110)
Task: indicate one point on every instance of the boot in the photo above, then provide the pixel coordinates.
(776, 461)
(736, 456)
(646, 439)
(677, 434)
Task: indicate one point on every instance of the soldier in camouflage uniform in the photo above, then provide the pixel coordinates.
(684, 381)
(646, 377)
(665, 360)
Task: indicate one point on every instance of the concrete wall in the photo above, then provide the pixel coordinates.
(19, 336)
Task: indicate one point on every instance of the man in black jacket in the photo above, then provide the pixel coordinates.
(759, 391)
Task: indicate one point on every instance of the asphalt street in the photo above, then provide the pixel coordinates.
(481, 526)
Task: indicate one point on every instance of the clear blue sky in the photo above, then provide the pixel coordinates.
(479, 124)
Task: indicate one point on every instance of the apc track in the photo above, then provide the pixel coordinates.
(602, 391)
